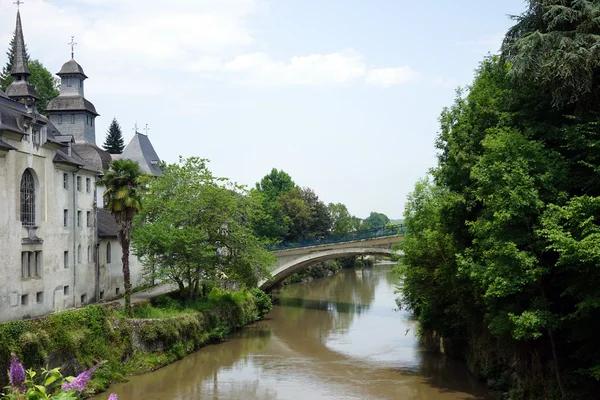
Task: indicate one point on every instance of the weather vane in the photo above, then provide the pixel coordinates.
(18, 3)
(146, 129)
(72, 44)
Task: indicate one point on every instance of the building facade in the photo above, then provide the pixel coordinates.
(58, 246)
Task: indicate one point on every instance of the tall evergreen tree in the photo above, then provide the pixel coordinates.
(114, 143)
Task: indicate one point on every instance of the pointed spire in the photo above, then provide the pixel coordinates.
(20, 89)
(19, 67)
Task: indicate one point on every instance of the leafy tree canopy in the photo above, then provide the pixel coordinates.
(375, 220)
(194, 229)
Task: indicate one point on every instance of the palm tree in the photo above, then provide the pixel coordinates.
(123, 199)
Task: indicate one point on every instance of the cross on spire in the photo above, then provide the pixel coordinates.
(72, 44)
(135, 128)
(18, 3)
(146, 129)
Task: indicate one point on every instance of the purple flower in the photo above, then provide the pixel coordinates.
(113, 396)
(81, 381)
(16, 372)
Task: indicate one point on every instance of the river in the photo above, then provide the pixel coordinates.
(333, 338)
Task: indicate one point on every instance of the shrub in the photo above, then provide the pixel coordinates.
(263, 301)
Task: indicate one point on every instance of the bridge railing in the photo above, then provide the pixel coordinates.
(391, 230)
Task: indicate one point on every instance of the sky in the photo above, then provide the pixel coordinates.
(343, 95)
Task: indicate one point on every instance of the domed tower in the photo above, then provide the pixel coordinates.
(71, 112)
(20, 89)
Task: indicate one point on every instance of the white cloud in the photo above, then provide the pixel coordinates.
(386, 77)
(131, 41)
(316, 69)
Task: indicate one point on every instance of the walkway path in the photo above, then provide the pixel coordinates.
(150, 293)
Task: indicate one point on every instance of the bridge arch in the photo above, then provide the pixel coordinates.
(288, 268)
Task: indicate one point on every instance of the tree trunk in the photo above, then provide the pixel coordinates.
(124, 236)
(561, 385)
(196, 291)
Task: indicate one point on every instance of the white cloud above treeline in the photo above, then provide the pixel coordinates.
(135, 41)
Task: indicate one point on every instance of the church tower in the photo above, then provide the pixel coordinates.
(20, 89)
(71, 112)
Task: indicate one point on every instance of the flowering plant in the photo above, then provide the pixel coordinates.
(50, 385)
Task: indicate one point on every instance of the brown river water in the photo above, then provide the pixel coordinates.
(333, 338)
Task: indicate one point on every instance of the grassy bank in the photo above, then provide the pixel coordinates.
(162, 331)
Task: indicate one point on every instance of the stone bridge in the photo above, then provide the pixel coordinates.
(294, 259)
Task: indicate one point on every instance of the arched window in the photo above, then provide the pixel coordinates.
(108, 257)
(79, 254)
(27, 199)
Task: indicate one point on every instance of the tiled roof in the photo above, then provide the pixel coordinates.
(140, 149)
(107, 226)
(71, 68)
(9, 121)
(71, 103)
(62, 157)
(93, 155)
(21, 89)
(6, 146)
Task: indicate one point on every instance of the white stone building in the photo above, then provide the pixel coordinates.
(58, 247)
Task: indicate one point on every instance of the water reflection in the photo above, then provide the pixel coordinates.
(334, 338)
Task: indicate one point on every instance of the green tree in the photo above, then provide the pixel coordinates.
(269, 220)
(123, 198)
(500, 245)
(298, 214)
(375, 220)
(275, 184)
(114, 142)
(195, 228)
(555, 45)
(320, 219)
(341, 220)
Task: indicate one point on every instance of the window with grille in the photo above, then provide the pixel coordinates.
(79, 254)
(89, 219)
(108, 257)
(79, 184)
(65, 218)
(27, 199)
(78, 218)
(66, 181)
(88, 184)
(89, 254)
(66, 259)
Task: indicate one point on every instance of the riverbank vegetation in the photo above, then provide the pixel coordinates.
(502, 249)
(162, 331)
